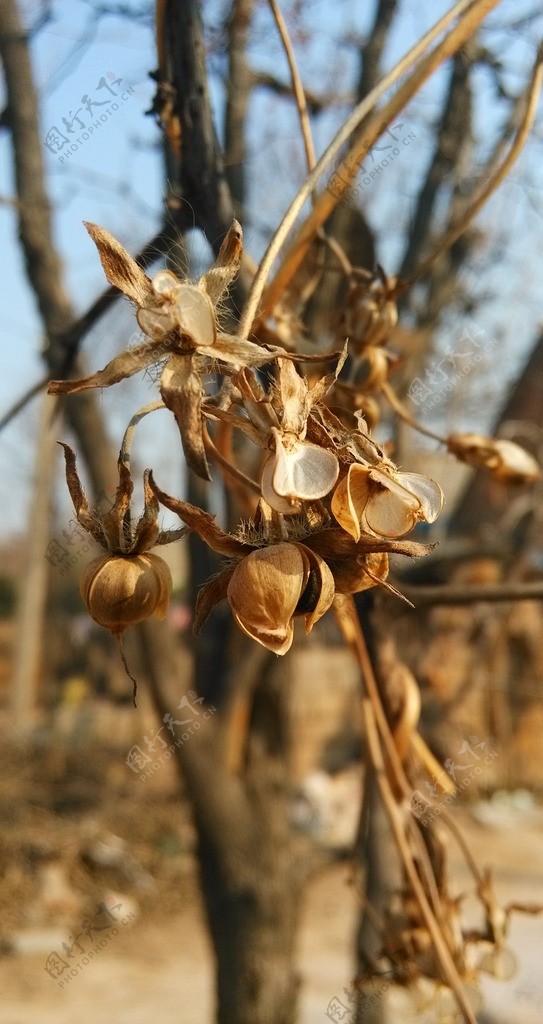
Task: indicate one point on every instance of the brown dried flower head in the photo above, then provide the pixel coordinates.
(269, 585)
(128, 584)
(180, 321)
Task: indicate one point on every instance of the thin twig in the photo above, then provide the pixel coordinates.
(229, 469)
(299, 91)
(455, 595)
(494, 181)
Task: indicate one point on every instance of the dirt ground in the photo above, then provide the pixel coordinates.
(72, 844)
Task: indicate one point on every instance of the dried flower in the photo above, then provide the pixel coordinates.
(371, 312)
(297, 470)
(384, 502)
(127, 585)
(506, 460)
(268, 585)
(180, 320)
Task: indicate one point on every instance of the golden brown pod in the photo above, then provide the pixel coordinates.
(120, 591)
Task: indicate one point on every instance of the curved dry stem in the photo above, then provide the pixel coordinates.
(299, 92)
(450, 972)
(229, 469)
(119, 642)
(494, 181)
(401, 411)
(473, 12)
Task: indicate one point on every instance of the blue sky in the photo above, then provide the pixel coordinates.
(115, 179)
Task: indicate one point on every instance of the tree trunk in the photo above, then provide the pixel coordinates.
(253, 921)
(33, 593)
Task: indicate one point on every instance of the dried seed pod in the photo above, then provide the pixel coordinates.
(273, 585)
(506, 460)
(384, 504)
(120, 591)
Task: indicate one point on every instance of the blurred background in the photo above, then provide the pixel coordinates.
(99, 829)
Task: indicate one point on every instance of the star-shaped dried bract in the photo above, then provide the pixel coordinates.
(180, 320)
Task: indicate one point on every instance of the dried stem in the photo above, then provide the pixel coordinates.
(493, 182)
(299, 91)
(232, 471)
(401, 411)
(119, 641)
(376, 722)
(449, 970)
(473, 12)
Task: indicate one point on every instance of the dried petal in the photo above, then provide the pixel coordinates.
(319, 591)
(156, 323)
(294, 396)
(226, 266)
(353, 575)
(236, 351)
(297, 471)
(287, 506)
(120, 268)
(116, 523)
(181, 390)
(211, 594)
(427, 491)
(80, 501)
(390, 511)
(147, 532)
(122, 366)
(384, 504)
(202, 523)
(334, 543)
(195, 315)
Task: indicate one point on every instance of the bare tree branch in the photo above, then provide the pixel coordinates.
(423, 597)
(43, 265)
